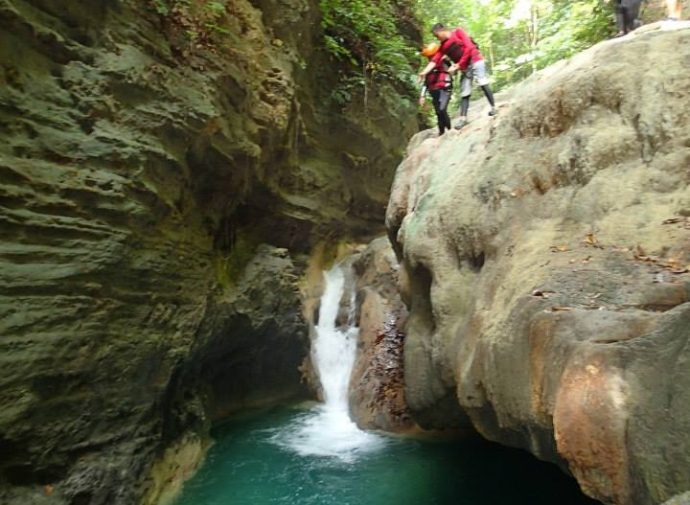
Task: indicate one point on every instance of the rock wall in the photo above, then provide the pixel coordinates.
(546, 259)
(377, 397)
(163, 173)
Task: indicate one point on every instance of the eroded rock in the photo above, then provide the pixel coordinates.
(147, 163)
(547, 253)
(377, 397)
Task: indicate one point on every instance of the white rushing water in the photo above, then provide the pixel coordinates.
(334, 349)
(328, 430)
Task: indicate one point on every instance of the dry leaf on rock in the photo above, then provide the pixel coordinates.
(559, 248)
(591, 240)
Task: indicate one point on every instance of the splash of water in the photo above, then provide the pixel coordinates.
(328, 430)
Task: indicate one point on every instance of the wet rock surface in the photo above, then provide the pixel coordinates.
(546, 254)
(377, 397)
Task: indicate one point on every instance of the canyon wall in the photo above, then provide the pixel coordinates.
(164, 172)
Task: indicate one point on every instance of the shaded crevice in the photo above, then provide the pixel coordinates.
(655, 307)
(477, 261)
(421, 281)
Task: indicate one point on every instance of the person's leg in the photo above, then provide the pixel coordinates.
(489, 95)
(464, 107)
(465, 92)
(635, 14)
(625, 16)
(436, 100)
(632, 13)
(674, 9)
(444, 100)
(620, 17)
(483, 81)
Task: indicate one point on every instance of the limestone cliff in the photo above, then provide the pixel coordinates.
(546, 259)
(163, 170)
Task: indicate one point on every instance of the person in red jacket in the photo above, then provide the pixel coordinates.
(463, 52)
(439, 84)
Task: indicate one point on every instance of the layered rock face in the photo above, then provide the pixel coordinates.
(163, 171)
(377, 397)
(545, 262)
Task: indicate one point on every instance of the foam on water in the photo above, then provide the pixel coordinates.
(327, 430)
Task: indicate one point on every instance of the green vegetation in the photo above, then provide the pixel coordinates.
(211, 8)
(230, 265)
(197, 20)
(519, 37)
(376, 39)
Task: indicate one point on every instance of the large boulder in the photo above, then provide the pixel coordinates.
(547, 254)
(683, 499)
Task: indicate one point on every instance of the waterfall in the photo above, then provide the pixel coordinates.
(327, 430)
(334, 349)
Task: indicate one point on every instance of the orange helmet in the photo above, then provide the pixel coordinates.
(430, 49)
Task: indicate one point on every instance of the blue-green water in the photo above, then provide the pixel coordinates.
(265, 459)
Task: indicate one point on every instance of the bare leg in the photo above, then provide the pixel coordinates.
(674, 8)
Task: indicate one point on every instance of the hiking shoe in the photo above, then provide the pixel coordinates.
(461, 124)
(493, 111)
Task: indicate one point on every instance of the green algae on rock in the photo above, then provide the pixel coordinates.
(139, 178)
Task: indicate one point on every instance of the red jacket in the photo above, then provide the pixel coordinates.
(460, 49)
(439, 78)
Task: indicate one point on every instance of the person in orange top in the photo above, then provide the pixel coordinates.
(464, 53)
(439, 84)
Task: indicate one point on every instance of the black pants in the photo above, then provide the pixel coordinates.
(627, 12)
(440, 99)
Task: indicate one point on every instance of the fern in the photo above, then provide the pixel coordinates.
(365, 34)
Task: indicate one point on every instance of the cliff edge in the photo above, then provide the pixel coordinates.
(546, 259)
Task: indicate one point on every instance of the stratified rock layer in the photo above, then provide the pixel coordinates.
(377, 396)
(147, 154)
(547, 255)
